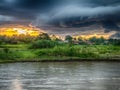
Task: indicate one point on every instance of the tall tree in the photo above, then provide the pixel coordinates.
(68, 38)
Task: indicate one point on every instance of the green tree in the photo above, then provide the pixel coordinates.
(68, 38)
(114, 41)
(54, 38)
(97, 40)
(44, 36)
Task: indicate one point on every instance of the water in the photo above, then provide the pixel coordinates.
(60, 76)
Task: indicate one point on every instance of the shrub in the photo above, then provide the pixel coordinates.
(6, 50)
(68, 51)
(44, 44)
(6, 54)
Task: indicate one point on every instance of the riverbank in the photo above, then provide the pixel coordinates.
(85, 60)
(69, 59)
(65, 53)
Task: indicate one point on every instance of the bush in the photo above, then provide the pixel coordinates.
(44, 44)
(68, 51)
(6, 54)
(6, 50)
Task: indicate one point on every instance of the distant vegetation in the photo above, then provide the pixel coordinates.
(44, 44)
(27, 39)
(44, 47)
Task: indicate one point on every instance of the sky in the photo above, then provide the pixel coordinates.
(59, 12)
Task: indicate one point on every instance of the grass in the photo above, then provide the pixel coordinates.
(15, 53)
(68, 51)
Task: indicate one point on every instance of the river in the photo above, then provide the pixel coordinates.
(60, 76)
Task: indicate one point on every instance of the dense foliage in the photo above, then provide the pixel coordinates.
(22, 52)
(43, 47)
(44, 44)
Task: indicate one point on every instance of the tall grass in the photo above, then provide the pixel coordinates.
(68, 51)
(83, 51)
(6, 54)
(58, 51)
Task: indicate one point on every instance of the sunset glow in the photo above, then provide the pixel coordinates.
(88, 36)
(19, 30)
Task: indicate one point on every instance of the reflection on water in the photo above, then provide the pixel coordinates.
(16, 85)
(60, 76)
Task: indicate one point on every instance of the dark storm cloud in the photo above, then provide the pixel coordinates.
(25, 9)
(47, 11)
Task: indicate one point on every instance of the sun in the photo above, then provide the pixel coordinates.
(20, 31)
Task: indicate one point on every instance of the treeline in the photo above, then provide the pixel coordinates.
(49, 41)
(93, 41)
(26, 39)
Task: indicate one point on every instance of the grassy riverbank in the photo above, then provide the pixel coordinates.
(23, 52)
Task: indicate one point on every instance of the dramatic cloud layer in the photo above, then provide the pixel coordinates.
(43, 12)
